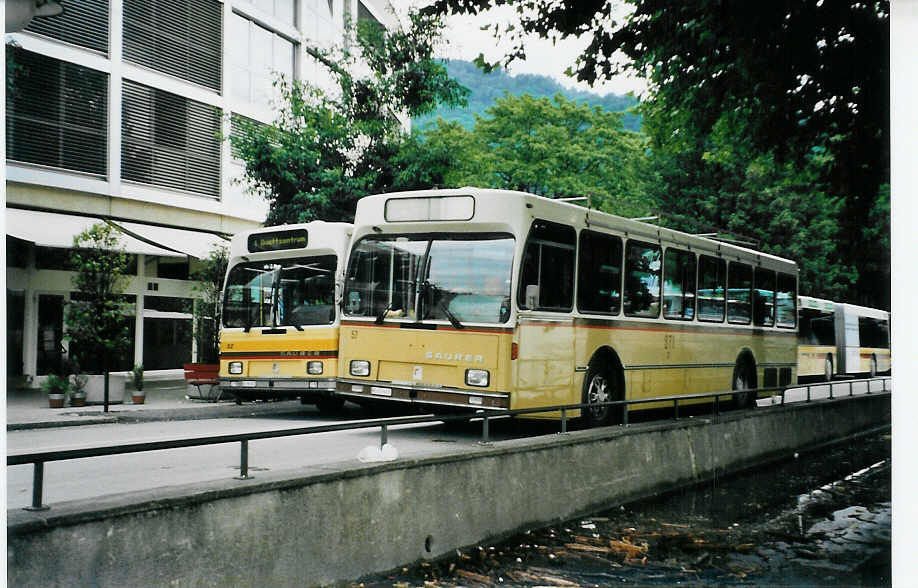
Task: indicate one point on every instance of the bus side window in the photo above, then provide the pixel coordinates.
(548, 264)
(786, 301)
(599, 273)
(739, 293)
(679, 285)
(712, 277)
(873, 332)
(643, 263)
(763, 298)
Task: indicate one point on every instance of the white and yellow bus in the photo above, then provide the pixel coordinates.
(841, 339)
(488, 299)
(280, 314)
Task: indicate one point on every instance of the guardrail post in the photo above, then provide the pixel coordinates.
(38, 480)
(831, 391)
(244, 461)
(625, 413)
(563, 421)
(484, 432)
(675, 409)
(869, 382)
(383, 435)
(716, 405)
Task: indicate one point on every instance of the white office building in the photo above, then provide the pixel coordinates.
(115, 111)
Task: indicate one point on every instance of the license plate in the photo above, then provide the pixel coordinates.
(380, 391)
(248, 384)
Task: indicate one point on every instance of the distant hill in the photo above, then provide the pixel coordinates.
(486, 88)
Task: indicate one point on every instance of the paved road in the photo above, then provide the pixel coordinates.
(93, 477)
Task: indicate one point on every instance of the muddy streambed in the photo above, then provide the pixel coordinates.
(818, 519)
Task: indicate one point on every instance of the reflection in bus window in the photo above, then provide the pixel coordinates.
(547, 279)
(873, 332)
(298, 291)
(763, 298)
(466, 277)
(816, 327)
(642, 279)
(786, 300)
(600, 273)
(739, 293)
(712, 273)
(679, 285)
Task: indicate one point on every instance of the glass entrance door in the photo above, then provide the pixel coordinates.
(50, 334)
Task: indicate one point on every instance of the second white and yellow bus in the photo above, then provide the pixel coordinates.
(280, 319)
(838, 339)
(478, 299)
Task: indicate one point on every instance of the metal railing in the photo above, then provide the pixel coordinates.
(39, 458)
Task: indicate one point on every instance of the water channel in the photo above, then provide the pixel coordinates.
(820, 518)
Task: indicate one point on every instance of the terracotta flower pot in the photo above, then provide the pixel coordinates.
(138, 396)
(78, 399)
(56, 400)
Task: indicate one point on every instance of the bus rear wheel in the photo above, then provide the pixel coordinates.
(600, 386)
(743, 383)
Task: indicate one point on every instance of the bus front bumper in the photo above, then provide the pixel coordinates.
(273, 387)
(399, 392)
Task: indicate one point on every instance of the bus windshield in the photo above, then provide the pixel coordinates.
(459, 278)
(298, 291)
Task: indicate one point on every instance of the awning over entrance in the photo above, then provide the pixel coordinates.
(51, 229)
(193, 243)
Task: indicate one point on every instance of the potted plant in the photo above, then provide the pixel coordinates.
(138, 395)
(56, 388)
(78, 389)
(98, 321)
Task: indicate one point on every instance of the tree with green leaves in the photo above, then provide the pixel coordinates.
(555, 148)
(98, 320)
(327, 149)
(810, 79)
(208, 310)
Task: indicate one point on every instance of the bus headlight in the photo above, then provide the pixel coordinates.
(479, 378)
(314, 368)
(360, 367)
(235, 367)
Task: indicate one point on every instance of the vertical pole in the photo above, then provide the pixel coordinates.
(807, 393)
(624, 405)
(484, 430)
(38, 481)
(244, 460)
(563, 421)
(383, 435)
(675, 409)
(831, 391)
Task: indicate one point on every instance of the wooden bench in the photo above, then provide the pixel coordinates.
(204, 374)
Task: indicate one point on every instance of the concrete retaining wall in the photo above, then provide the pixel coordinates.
(342, 521)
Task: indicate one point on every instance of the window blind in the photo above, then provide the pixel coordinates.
(83, 23)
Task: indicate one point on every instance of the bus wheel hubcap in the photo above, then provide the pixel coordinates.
(599, 392)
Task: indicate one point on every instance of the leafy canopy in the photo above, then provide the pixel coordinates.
(554, 148)
(328, 148)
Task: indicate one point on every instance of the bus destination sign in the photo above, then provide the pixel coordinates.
(278, 240)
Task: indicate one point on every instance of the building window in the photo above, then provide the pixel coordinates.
(56, 113)
(257, 57)
(319, 23)
(177, 37)
(169, 141)
(83, 23)
(282, 10)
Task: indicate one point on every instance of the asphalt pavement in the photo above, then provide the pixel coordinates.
(28, 408)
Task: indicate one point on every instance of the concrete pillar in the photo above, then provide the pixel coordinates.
(30, 321)
(115, 24)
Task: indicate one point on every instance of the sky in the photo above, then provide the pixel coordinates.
(465, 40)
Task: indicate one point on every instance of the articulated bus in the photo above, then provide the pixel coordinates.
(280, 315)
(838, 339)
(488, 299)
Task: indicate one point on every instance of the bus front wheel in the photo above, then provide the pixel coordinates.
(601, 387)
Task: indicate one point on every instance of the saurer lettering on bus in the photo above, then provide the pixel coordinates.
(467, 357)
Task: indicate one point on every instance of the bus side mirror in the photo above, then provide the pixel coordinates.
(532, 296)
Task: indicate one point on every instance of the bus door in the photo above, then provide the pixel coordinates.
(545, 361)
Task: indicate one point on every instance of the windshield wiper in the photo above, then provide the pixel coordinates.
(452, 318)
